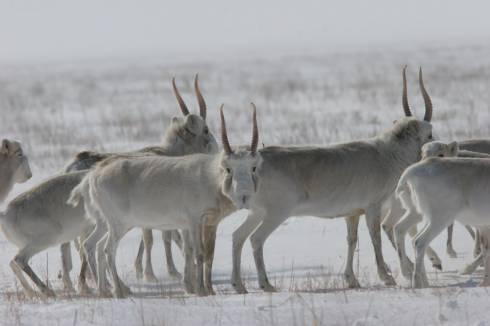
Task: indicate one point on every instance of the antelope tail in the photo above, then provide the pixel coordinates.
(78, 193)
(402, 186)
(3, 216)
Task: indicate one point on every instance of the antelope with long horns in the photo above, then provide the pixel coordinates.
(185, 135)
(347, 179)
(185, 193)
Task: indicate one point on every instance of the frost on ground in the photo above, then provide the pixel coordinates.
(322, 98)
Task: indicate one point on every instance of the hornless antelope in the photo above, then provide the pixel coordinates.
(167, 193)
(347, 179)
(186, 135)
(440, 149)
(40, 218)
(395, 209)
(440, 191)
(478, 146)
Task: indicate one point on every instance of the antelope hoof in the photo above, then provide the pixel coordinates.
(210, 290)
(119, 295)
(139, 271)
(437, 266)
(49, 293)
(202, 292)
(268, 288)
(419, 282)
(451, 253)
(68, 288)
(175, 274)
(352, 282)
(484, 283)
(83, 289)
(407, 270)
(150, 278)
(30, 294)
(239, 288)
(125, 289)
(189, 289)
(389, 280)
(104, 293)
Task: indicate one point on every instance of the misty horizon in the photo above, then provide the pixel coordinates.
(59, 31)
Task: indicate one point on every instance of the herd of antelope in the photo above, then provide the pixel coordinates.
(186, 185)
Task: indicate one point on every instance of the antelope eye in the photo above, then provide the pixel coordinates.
(206, 131)
(228, 170)
(254, 169)
(430, 136)
(440, 155)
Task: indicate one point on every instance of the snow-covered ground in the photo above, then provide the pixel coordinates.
(322, 98)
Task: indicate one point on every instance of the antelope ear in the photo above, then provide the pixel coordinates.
(175, 121)
(5, 147)
(453, 148)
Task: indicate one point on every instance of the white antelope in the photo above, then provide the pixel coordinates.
(167, 193)
(477, 146)
(440, 149)
(439, 191)
(395, 209)
(186, 135)
(40, 218)
(348, 179)
(470, 148)
(14, 166)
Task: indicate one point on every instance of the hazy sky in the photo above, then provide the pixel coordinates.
(67, 30)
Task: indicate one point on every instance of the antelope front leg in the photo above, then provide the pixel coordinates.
(209, 237)
(148, 241)
(138, 262)
(449, 244)
(167, 237)
(239, 236)
(188, 279)
(197, 241)
(20, 262)
(66, 266)
(257, 239)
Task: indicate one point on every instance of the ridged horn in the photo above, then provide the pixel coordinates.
(200, 98)
(406, 107)
(224, 134)
(255, 130)
(182, 105)
(425, 95)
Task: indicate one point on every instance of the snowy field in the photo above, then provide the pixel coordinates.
(59, 109)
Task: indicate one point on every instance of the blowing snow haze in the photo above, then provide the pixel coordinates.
(67, 30)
